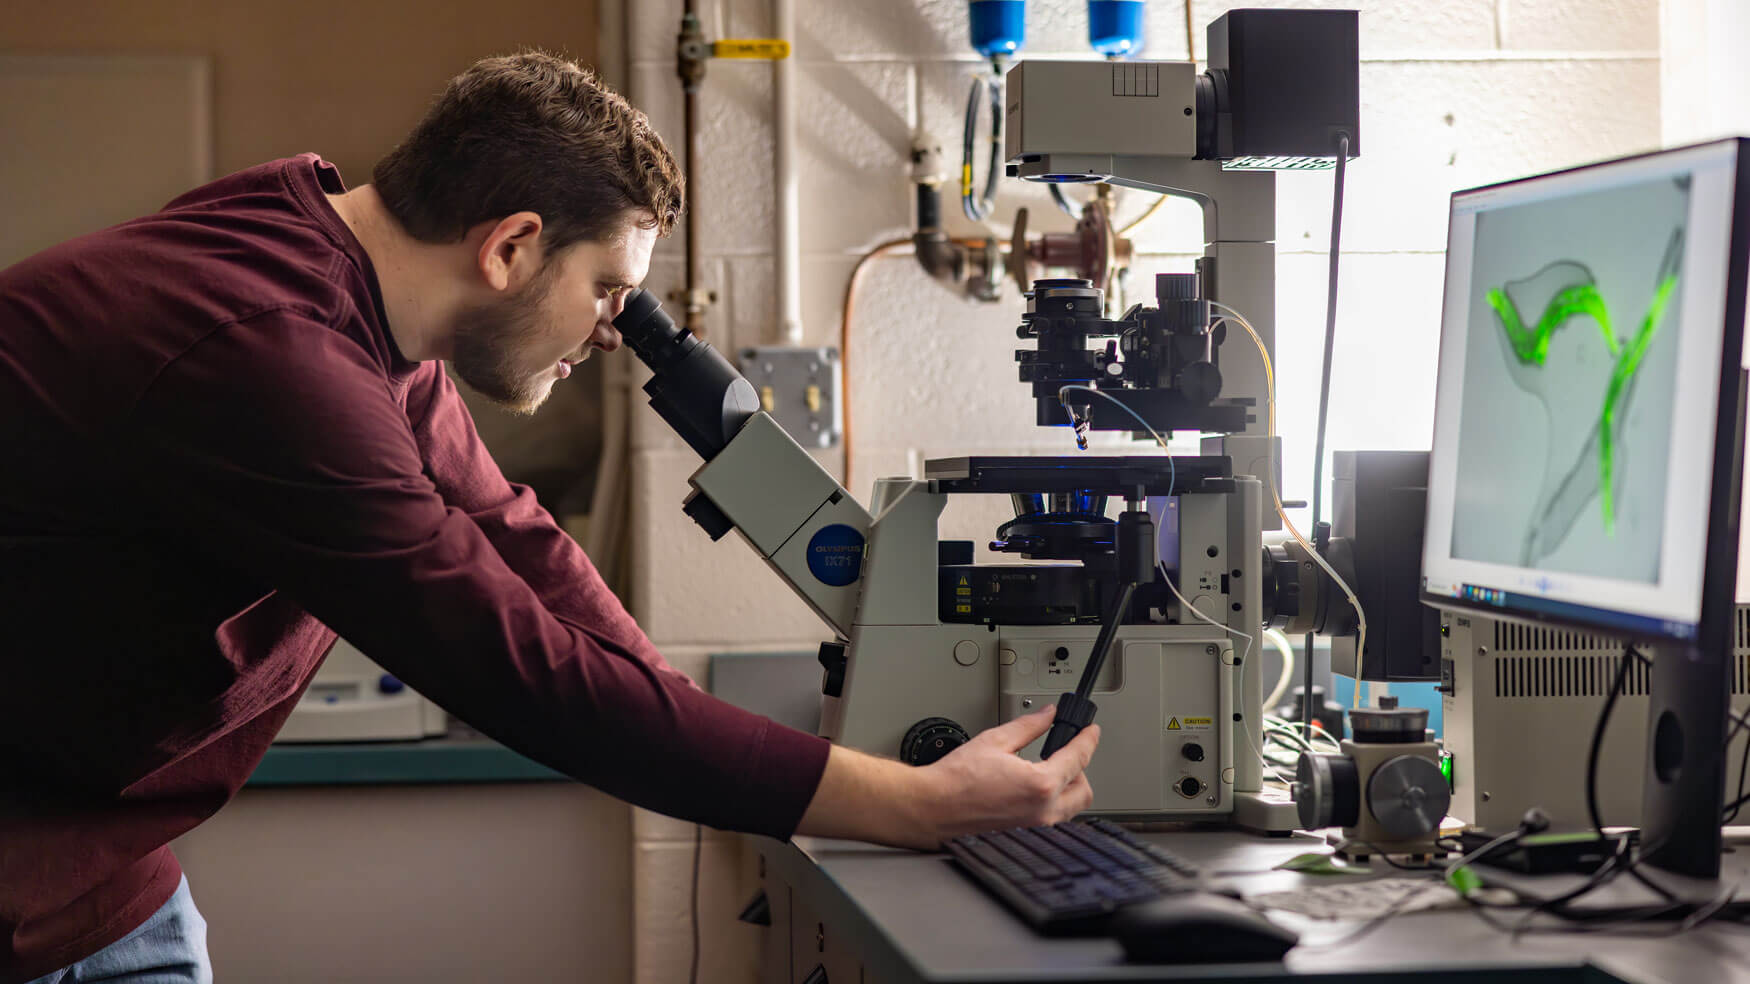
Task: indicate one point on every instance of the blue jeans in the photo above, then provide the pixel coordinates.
(168, 948)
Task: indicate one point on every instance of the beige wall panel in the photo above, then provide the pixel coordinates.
(436, 884)
(345, 80)
(90, 141)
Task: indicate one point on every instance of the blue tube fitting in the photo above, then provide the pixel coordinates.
(999, 27)
(1115, 27)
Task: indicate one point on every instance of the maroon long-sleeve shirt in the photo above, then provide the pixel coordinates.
(212, 459)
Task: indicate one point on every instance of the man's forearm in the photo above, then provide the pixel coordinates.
(862, 797)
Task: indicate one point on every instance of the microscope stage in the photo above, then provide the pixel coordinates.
(1105, 475)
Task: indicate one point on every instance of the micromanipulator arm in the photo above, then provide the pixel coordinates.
(755, 479)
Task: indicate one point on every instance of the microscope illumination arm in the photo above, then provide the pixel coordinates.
(755, 479)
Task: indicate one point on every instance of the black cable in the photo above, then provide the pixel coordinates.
(977, 207)
(1324, 406)
(1739, 723)
(1737, 803)
(1616, 688)
(698, 848)
(969, 136)
(1610, 924)
(1482, 908)
(994, 165)
(1597, 746)
(1069, 208)
(1743, 763)
(1508, 839)
(1630, 868)
(1584, 922)
(1610, 869)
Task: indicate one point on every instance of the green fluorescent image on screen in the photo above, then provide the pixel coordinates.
(1571, 362)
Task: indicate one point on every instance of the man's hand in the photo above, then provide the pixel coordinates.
(982, 785)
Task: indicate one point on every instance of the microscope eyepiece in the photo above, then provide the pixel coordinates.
(652, 334)
(692, 386)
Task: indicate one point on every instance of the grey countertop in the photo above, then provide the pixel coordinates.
(916, 918)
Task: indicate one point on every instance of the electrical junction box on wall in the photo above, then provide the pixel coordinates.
(799, 387)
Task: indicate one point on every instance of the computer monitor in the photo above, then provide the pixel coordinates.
(1588, 437)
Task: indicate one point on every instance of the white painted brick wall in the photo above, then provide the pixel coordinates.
(1455, 94)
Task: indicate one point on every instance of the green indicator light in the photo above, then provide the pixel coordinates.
(1446, 767)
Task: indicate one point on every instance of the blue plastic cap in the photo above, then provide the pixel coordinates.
(388, 684)
(999, 27)
(1115, 27)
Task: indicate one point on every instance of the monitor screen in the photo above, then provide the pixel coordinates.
(1578, 393)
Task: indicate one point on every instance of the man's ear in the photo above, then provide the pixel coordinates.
(510, 254)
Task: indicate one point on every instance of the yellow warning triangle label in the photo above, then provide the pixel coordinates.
(963, 580)
(1173, 725)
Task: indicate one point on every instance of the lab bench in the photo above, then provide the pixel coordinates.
(846, 913)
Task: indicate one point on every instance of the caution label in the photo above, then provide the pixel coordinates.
(1173, 725)
(1177, 723)
(1191, 722)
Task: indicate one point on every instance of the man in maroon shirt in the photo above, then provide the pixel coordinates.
(227, 436)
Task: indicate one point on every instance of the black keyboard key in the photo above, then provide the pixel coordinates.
(1070, 878)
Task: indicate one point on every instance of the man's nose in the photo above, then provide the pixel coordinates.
(607, 337)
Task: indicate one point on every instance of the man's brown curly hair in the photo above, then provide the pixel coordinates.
(530, 132)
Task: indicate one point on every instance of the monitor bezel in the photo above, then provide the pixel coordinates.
(1716, 619)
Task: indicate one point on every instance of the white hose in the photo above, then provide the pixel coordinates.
(1275, 494)
(787, 181)
(1246, 723)
(1275, 638)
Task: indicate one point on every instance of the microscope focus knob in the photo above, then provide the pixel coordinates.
(1199, 383)
(1327, 791)
(930, 739)
(1408, 796)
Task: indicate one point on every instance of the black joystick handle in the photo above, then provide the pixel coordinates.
(1073, 714)
(1075, 711)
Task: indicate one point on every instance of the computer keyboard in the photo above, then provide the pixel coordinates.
(1070, 878)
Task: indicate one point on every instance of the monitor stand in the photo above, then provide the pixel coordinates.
(1683, 794)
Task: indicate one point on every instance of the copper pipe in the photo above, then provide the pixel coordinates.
(884, 249)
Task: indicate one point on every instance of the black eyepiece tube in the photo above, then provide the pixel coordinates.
(694, 388)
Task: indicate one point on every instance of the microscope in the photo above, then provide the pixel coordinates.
(1150, 622)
